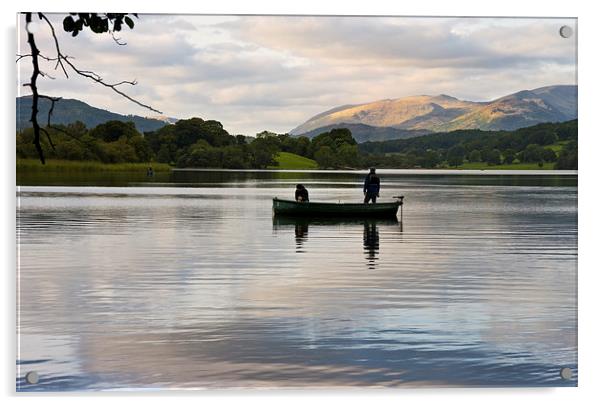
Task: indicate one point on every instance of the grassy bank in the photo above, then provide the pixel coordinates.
(33, 165)
(285, 160)
(291, 161)
(513, 166)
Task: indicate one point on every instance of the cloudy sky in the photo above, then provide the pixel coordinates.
(257, 73)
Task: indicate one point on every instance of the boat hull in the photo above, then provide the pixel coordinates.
(319, 209)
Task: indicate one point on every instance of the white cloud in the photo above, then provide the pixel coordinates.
(255, 73)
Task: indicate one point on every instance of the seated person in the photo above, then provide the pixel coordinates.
(301, 194)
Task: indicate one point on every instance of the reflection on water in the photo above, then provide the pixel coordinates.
(371, 239)
(176, 287)
(371, 243)
(301, 230)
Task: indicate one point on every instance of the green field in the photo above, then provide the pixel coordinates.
(513, 166)
(291, 161)
(34, 165)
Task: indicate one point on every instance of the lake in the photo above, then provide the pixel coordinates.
(185, 280)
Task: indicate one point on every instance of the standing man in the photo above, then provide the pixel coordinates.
(371, 186)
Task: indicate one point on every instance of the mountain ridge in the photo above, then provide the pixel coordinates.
(364, 133)
(443, 112)
(68, 110)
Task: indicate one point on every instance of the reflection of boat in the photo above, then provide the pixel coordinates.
(346, 225)
(282, 221)
(318, 209)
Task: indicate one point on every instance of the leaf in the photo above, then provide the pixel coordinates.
(96, 24)
(68, 24)
(129, 22)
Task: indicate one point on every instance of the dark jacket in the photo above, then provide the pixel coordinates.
(372, 184)
(301, 192)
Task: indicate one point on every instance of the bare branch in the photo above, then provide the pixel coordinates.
(19, 57)
(44, 74)
(49, 139)
(50, 111)
(48, 59)
(118, 41)
(53, 100)
(131, 82)
(59, 55)
(89, 74)
(34, 90)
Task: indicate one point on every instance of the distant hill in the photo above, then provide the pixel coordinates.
(519, 110)
(164, 118)
(446, 113)
(363, 133)
(67, 111)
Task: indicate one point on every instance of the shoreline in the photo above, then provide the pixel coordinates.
(508, 172)
(32, 166)
(89, 166)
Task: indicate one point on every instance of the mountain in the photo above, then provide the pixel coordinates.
(67, 111)
(519, 110)
(446, 113)
(364, 133)
(164, 118)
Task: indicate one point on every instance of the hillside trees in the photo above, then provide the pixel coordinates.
(491, 156)
(568, 157)
(474, 156)
(509, 156)
(75, 142)
(455, 155)
(335, 148)
(484, 146)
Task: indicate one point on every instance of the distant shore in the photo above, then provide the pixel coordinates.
(512, 166)
(34, 165)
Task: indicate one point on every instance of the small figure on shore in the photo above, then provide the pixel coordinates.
(150, 172)
(301, 194)
(371, 186)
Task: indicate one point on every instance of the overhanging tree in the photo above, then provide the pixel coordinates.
(74, 23)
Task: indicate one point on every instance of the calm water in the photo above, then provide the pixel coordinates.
(187, 281)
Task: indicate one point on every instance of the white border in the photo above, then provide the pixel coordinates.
(590, 133)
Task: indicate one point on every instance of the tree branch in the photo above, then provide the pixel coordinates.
(34, 90)
(59, 62)
(89, 74)
(118, 41)
(53, 100)
(62, 61)
(48, 136)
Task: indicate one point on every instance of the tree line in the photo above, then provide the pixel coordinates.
(188, 143)
(205, 143)
(452, 149)
(199, 143)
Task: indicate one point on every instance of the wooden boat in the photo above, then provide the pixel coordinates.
(326, 209)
